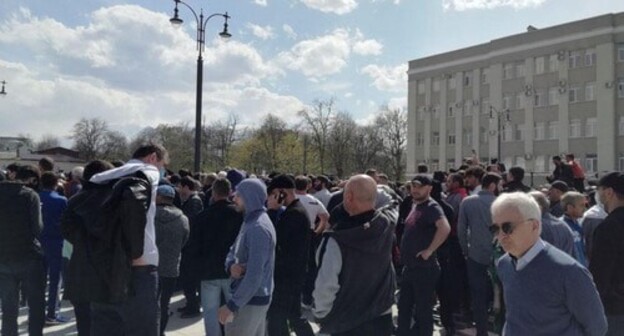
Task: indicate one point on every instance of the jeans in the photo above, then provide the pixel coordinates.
(211, 291)
(137, 316)
(480, 287)
(166, 287)
(279, 320)
(31, 274)
(417, 300)
(82, 310)
(52, 252)
(380, 326)
(248, 321)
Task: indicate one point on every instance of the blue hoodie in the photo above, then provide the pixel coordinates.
(254, 248)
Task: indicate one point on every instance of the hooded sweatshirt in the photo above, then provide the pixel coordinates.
(172, 232)
(254, 248)
(590, 221)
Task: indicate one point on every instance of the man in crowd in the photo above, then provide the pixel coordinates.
(554, 231)
(556, 191)
(607, 256)
(354, 290)
(52, 207)
(476, 243)
(250, 264)
(562, 172)
(321, 185)
(21, 257)
(573, 204)
(291, 257)
(546, 291)
(472, 179)
(593, 217)
(514, 180)
(172, 232)
(128, 312)
(217, 227)
(578, 175)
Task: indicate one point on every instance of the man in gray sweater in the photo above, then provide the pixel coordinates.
(476, 243)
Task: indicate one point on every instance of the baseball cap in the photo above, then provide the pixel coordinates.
(613, 180)
(560, 185)
(422, 180)
(165, 190)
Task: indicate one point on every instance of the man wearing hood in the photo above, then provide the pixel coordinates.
(250, 264)
(354, 289)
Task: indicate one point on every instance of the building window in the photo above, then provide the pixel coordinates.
(485, 105)
(451, 111)
(435, 165)
(435, 139)
(553, 96)
(421, 87)
(508, 161)
(520, 161)
(508, 133)
(483, 135)
(421, 112)
(553, 63)
(467, 79)
(520, 100)
(451, 138)
(573, 94)
(620, 88)
(520, 69)
(508, 70)
(436, 112)
(539, 65)
(436, 85)
(553, 130)
(467, 138)
(507, 99)
(575, 128)
(621, 126)
(540, 163)
(484, 75)
(420, 139)
(590, 57)
(468, 108)
(452, 83)
(590, 127)
(540, 98)
(520, 132)
(539, 131)
(591, 163)
(589, 91)
(620, 53)
(574, 60)
(450, 163)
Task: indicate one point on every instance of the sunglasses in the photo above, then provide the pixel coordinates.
(507, 227)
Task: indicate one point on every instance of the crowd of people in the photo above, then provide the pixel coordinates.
(269, 255)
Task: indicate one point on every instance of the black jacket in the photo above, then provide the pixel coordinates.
(20, 222)
(514, 186)
(216, 228)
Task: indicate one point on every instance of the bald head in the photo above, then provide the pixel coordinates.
(360, 194)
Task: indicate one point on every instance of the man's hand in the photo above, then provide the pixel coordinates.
(237, 271)
(225, 315)
(425, 254)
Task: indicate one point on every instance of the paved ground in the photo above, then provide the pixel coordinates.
(176, 327)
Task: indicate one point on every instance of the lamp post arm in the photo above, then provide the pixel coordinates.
(226, 16)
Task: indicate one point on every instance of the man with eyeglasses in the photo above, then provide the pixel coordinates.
(546, 291)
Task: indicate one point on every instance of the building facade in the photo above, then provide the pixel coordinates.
(552, 91)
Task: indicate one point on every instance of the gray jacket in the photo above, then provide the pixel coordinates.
(473, 227)
(558, 234)
(172, 232)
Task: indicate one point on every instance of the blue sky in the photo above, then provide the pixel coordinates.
(121, 60)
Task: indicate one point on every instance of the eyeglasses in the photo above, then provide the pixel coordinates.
(506, 227)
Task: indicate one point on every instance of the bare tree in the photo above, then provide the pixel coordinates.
(339, 143)
(89, 136)
(115, 146)
(367, 145)
(220, 136)
(318, 121)
(178, 140)
(270, 134)
(392, 124)
(47, 141)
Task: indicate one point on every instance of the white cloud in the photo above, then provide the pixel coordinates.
(262, 3)
(461, 5)
(290, 32)
(367, 47)
(392, 79)
(339, 7)
(264, 33)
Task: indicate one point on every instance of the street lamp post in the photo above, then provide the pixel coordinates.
(500, 127)
(3, 91)
(201, 38)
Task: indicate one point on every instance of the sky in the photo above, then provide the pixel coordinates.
(122, 61)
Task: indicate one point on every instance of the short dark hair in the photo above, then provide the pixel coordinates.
(221, 187)
(49, 180)
(490, 178)
(475, 171)
(457, 177)
(556, 158)
(13, 167)
(422, 168)
(184, 172)
(95, 167)
(189, 182)
(46, 164)
(301, 182)
(145, 150)
(117, 163)
(517, 173)
(27, 171)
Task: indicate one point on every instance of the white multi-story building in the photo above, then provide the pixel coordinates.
(557, 90)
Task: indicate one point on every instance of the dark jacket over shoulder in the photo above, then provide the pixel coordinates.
(20, 222)
(216, 228)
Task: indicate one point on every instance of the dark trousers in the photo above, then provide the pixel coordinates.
(190, 283)
(166, 287)
(449, 285)
(279, 320)
(381, 326)
(137, 316)
(82, 310)
(480, 291)
(416, 300)
(52, 252)
(579, 184)
(308, 285)
(31, 274)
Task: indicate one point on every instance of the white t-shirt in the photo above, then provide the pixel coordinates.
(313, 207)
(323, 195)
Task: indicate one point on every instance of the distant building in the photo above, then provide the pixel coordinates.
(563, 88)
(15, 149)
